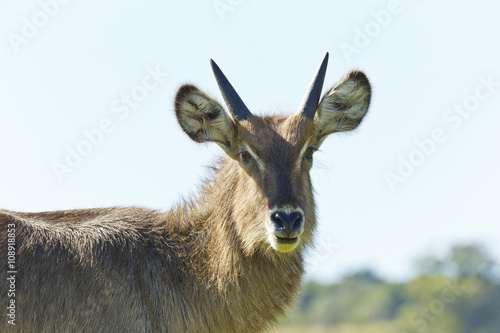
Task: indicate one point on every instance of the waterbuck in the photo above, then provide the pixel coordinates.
(228, 260)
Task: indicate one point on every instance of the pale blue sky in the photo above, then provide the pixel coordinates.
(69, 75)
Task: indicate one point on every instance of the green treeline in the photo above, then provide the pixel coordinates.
(455, 294)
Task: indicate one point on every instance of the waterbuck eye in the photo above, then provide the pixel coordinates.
(309, 152)
(245, 156)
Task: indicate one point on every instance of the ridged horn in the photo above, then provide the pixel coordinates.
(238, 109)
(311, 99)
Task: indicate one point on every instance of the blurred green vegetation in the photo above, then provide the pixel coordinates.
(458, 293)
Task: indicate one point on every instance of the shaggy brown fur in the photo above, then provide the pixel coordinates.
(209, 265)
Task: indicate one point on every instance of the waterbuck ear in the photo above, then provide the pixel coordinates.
(343, 107)
(204, 119)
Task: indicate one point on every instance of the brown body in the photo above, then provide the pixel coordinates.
(217, 263)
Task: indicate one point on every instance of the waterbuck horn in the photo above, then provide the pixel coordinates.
(238, 109)
(310, 102)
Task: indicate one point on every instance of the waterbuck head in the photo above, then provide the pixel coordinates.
(270, 157)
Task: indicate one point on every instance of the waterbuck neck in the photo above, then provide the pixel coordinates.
(210, 242)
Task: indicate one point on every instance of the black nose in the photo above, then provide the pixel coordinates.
(287, 225)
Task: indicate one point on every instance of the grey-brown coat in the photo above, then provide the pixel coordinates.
(228, 260)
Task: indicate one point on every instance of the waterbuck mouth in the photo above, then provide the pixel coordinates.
(286, 240)
(284, 244)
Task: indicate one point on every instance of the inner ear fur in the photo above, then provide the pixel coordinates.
(343, 107)
(203, 119)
